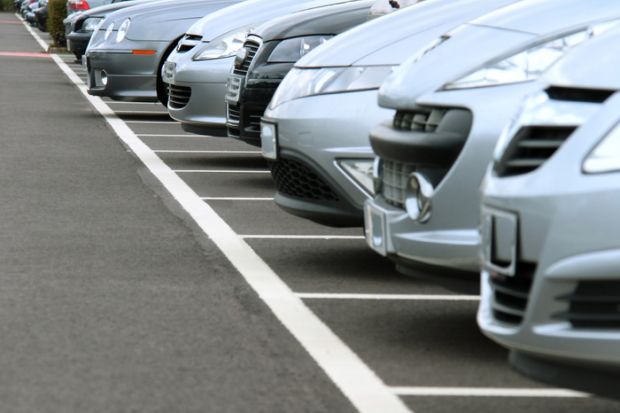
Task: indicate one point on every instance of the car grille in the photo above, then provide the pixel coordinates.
(394, 181)
(593, 304)
(511, 293)
(531, 147)
(419, 121)
(178, 96)
(295, 179)
(233, 118)
(188, 42)
(251, 47)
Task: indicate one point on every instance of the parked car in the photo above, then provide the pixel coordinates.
(315, 130)
(40, 16)
(125, 56)
(550, 281)
(270, 51)
(75, 6)
(451, 106)
(80, 27)
(198, 70)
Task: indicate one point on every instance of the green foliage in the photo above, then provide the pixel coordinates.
(56, 13)
(6, 5)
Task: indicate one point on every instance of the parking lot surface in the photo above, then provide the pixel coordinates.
(113, 297)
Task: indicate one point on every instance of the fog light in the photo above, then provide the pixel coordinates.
(419, 198)
(377, 175)
(361, 171)
(104, 78)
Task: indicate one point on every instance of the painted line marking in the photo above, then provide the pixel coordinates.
(387, 297)
(486, 392)
(218, 171)
(364, 389)
(200, 151)
(324, 237)
(232, 198)
(25, 54)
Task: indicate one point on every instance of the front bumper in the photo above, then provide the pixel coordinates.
(450, 238)
(130, 77)
(318, 131)
(201, 87)
(567, 229)
(77, 42)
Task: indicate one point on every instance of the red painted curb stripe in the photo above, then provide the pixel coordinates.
(24, 54)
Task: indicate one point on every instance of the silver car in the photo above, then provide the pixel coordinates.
(197, 71)
(451, 106)
(125, 56)
(550, 281)
(315, 130)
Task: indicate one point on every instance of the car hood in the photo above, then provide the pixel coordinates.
(109, 8)
(323, 20)
(452, 58)
(164, 20)
(572, 72)
(389, 40)
(543, 17)
(250, 13)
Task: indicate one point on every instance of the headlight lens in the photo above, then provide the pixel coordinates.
(360, 170)
(222, 47)
(300, 83)
(606, 155)
(122, 30)
(291, 50)
(91, 24)
(108, 31)
(527, 64)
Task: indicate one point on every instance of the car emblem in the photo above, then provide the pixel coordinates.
(242, 54)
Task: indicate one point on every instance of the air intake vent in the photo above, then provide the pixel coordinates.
(188, 42)
(593, 304)
(578, 94)
(251, 48)
(511, 294)
(531, 147)
(418, 121)
(394, 181)
(295, 179)
(178, 96)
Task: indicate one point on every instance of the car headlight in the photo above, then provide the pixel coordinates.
(108, 31)
(291, 50)
(605, 157)
(122, 30)
(224, 46)
(527, 64)
(91, 24)
(361, 171)
(300, 83)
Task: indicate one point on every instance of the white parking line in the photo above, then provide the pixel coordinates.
(214, 152)
(350, 374)
(218, 171)
(326, 237)
(215, 198)
(387, 297)
(486, 392)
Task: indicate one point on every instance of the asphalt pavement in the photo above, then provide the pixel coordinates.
(113, 300)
